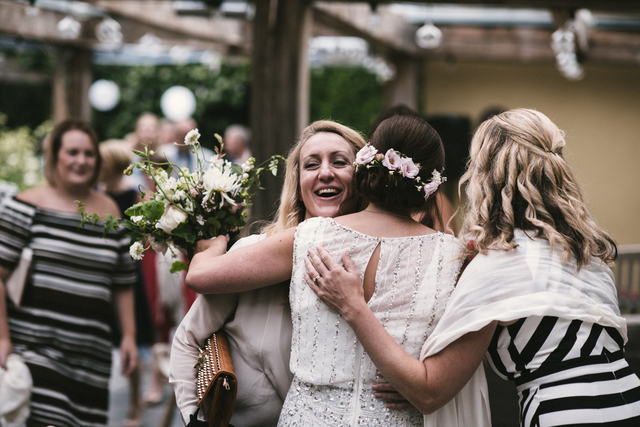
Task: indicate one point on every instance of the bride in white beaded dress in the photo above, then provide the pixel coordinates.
(408, 272)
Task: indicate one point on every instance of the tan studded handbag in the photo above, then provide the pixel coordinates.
(217, 385)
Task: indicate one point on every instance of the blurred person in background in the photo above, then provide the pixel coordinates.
(181, 155)
(167, 133)
(116, 157)
(146, 132)
(62, 328)
(236, 144)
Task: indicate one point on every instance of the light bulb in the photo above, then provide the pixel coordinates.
(428, 36)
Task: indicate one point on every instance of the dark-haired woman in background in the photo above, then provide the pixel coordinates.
(409, 272)
(62, 328)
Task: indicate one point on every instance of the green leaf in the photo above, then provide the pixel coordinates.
(111, 223)
(211, 220)
(184, 231)
(178, 266)
(135, 210)
(221, 214)
(237, 169)
(153, 210)
(138, 153)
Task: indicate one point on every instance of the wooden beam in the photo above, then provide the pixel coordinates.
(593, 5)
(72, 79)
(383, 30)
(160, 14)
(403, 88)
(15, 21)
(279, 91)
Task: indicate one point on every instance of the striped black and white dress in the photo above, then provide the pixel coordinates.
(564, 344)
(567, 372)
(62, 328)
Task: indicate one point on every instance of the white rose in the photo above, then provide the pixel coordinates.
(160, 248)
(171, 217)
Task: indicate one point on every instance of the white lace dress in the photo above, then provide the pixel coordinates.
(333, 375)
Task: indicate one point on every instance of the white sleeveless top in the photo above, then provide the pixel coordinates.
(333, 374)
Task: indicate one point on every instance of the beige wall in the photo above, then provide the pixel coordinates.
(600, 115)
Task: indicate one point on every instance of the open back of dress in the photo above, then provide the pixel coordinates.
(333, 374)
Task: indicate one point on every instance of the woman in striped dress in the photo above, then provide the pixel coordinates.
(538, 298)
(61, 328)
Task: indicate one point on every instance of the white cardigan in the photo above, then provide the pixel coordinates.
(258, 324)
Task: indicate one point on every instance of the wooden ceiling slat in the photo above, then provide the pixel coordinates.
(385, 32)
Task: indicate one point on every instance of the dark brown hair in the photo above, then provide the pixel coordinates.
(415, 138)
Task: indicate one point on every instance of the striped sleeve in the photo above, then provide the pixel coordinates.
(16, 218)
(125, 274)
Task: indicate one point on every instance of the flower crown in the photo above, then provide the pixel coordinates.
(398, 163)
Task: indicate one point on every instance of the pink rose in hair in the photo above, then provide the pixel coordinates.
(392, 160)
(366, 154)
(430, 188)
(408, 168)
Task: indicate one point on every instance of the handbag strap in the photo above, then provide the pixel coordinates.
(195, 422)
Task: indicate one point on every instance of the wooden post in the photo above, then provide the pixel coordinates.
(404, 87)
(72, 79)
(280, 86)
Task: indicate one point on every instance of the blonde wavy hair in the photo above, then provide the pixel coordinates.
(292, 211)
(517, 178)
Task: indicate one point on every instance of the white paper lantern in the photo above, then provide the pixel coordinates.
(428, 36)
(104, 95)
(178, 103)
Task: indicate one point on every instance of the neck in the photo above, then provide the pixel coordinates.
(376, 210)
(73, 192)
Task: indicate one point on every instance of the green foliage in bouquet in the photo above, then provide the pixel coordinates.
(185, 205)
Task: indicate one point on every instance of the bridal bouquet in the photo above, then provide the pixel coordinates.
(190, 205)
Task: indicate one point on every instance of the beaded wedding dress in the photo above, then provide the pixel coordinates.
(333, 375)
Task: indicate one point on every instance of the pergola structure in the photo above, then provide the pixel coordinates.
(277, 36)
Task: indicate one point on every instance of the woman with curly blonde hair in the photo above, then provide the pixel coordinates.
(538, 298)
(541, 279)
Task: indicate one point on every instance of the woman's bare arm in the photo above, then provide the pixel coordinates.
(5, 340)
(427, 385)
(255, 266)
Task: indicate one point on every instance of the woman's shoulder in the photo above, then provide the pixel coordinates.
(102, 204)
(450, 243)
(34, 196)
(18, 206)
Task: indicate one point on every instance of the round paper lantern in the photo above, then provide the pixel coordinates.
(178, 103)
(104, 95)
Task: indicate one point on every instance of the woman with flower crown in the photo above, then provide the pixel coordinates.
(408, 271)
